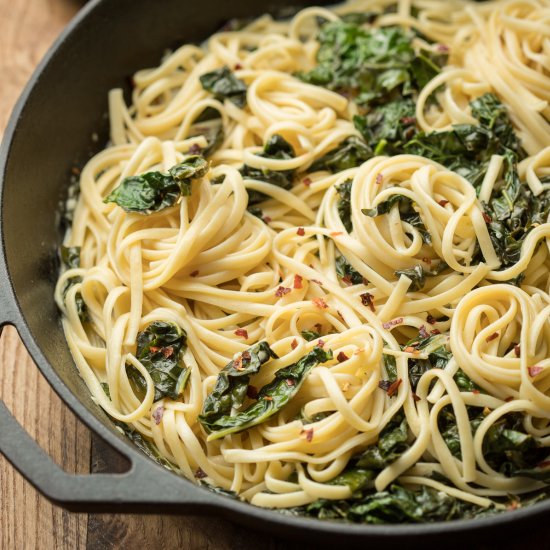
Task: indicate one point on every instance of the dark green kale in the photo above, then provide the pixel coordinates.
(155, 191)
(416, 274)
(390, 366)
(210, 125)
(344, 204)
(219, 490)
(275, 148)
(387, 128)
(271, 398)
(70, 256)
(352, 152)
(371, 65)
(310, 335)
(225, 85)
(347, 273)
(406, 212)
(159, 349)
(145, 446)
(233, 380)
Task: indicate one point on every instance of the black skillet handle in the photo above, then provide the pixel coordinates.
(145, 487)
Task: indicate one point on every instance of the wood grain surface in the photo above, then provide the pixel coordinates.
(27, 520)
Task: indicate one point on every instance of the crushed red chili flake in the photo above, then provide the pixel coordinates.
(517, 350)
(408, 120)
(294, 344)
(410, 349)
(245, 355)
(492, 337)
(336, 233)
(342, 357)
(475, 392)
(443, 202)
(379, 179)
(298, 281)
(282, 291)
(242, 332)
(347, 280)
(367, 300)
(195, 149)
(534, 371)
(508, 399)
(427, 260)
(320, 343)
(319, 302)
(266, 219)
(307, 182)
(514, 505)
(435, 331)
(158, 413)
(290, 382)
(543, 464)
(167, 352)
(415, 397)
(194, 273)
(431, 319)
(442, 48)
(301, 231)
(308, 433)
(392, 323)
(487, 218)
(200, 473)
(394, 387)
(76, 171)
(238, 66)
(318, 328)
(268, 398)
(252, 392)
(422, 332)
(384, 385)
(154, 349)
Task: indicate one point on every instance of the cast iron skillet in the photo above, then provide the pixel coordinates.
(51, 130)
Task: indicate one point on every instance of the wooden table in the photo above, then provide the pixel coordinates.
(27, 520)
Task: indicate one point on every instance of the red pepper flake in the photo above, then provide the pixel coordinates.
(282, 291)
(514, 505)
(252, 392)
(508, 399)
(308, 433)
(379, 179)
(336, 233)
(317, 282)
(245, 355)
(266, 219)
(410, 349)
(320, 343)
(422, 332)
(392, 323)
(294, 344)
(443, 202)
(76, 170)
(195, 149)
(319, 302)
(318, 328)
(475, 392)
(427, 261)
(268, 398)
(154, 349)
(486, 217)
(167, 352)
(443, 48)
(242, 332)
(342, 357)
(435, 331)
(307, 182)
(394, 387)
(517, 350)
(543, 464)
(534, 371)
(431, 319)
(194, 273)
(200, 474)
(158, 413)
(347, 280)
(238, 66)
(301, 231)
(408, 120)
(492, 337)
(415, 397)
(298, 281)
(290, 382)
(367, 300)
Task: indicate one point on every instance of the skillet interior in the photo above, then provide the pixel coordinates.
(64, 106)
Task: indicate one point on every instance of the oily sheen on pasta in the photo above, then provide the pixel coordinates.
(311, 267)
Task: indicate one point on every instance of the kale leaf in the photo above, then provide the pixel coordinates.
(159, 349)
(275, 148)
(225, 85)
(350, 153)
(310, 335)
(271, 398)
(155, 191)
(347, 272)
(232, 383)
(344, 204)
(70, 256)
(416, 274)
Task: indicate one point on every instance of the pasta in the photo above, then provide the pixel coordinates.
(396, 269)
